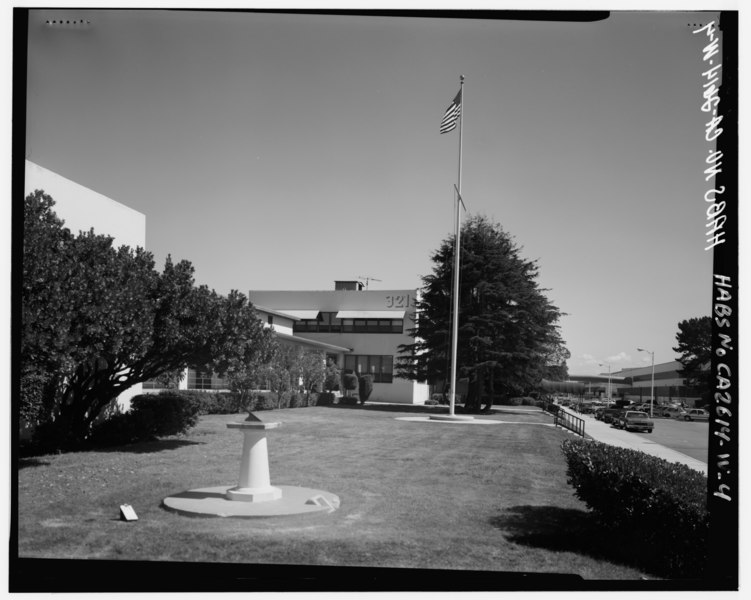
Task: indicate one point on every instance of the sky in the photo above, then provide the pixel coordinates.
(286, 151)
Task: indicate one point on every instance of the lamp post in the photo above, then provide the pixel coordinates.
(610, 397)
(652, 389)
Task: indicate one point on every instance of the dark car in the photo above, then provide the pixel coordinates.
(610, 414)
(635, 420)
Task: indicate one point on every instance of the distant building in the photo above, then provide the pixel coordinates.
(635, 384)
(82, 209)
(367, 327)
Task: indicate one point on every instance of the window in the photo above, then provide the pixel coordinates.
(328, 323)
(372, 325)
(381, 367)
(199, 380)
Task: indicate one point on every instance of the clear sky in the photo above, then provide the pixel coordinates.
(287, 151)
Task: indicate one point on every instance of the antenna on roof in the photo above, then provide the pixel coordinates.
(367, 280)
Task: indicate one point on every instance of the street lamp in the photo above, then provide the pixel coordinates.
(652, 390)
(610, 397)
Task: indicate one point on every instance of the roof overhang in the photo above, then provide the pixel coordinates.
(301, 341)
(297, 313)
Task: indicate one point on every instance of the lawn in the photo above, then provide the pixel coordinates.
(416, 495)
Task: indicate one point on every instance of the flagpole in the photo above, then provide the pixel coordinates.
(457, 248)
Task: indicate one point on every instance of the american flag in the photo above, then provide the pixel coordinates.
(452, 114)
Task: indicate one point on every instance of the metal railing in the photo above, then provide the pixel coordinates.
(569, 422)
(564, 419)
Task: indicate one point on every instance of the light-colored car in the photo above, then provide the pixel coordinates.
(635, 420)
(696, 414)
(673, 412)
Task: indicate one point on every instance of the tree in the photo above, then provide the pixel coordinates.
(250, 372)
(97, 320)
(312, 370)
(508, 331)
(695, 348)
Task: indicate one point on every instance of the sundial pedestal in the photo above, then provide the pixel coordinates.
(255, 482)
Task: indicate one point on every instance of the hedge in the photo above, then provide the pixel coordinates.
(174, 412)
(660, 506)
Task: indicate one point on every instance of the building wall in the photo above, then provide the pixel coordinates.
(398, 303)
(82, 209)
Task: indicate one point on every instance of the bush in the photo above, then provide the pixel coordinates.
(264, 401)
(151, 416)
(31, 404)
(350, 381)
(325, 399)
(662, 506)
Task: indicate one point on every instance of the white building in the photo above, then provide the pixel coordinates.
(367, 325)
(82, 209)
(283, 326)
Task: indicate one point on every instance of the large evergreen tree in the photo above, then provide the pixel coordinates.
(508, 329)
(97, 320)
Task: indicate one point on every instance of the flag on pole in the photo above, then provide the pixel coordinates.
(452, 114)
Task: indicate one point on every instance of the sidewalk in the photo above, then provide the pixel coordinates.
(603, 432)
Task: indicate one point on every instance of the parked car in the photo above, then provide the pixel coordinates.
(696, 414)
(673, 412)
(636, 420)
(610, 414)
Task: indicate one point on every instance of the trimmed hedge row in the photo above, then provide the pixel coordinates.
(174, 412)
(661, 507)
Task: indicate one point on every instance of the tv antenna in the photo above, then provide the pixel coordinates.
(367, 280)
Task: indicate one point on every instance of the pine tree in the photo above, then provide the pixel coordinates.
(508, 329)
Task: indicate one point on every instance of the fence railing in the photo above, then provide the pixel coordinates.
(563, 419)
(570, 422)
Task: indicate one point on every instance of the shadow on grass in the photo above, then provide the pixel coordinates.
(148, 447)
(577, 531)
(25, 463)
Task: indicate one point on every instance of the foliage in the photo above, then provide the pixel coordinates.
(332, 376)
(249, 373)
(350, 381)
(99, 320)
(695, 348)
(663, 503)
(508, 330)
(326, 399)
(366, 388)
(151, 416)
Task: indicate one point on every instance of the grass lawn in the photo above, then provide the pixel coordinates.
(425, 495)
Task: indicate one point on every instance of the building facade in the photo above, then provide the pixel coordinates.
(367, 326)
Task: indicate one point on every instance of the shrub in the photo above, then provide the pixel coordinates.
(151, 415)
(660, 504)
(350, 381)
(31, 404)
(264, 401)
(366, 387)
(325, 399)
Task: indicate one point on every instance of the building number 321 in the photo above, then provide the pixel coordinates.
(398, 301)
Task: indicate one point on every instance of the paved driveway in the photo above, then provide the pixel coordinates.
(689, 437)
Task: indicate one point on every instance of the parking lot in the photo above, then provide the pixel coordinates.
(689, 437)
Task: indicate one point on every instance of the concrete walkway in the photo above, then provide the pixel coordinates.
(603, 432)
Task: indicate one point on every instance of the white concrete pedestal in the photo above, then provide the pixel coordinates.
(255, 482)
(254, 496)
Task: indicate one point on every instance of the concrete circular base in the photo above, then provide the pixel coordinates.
(213, 502)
